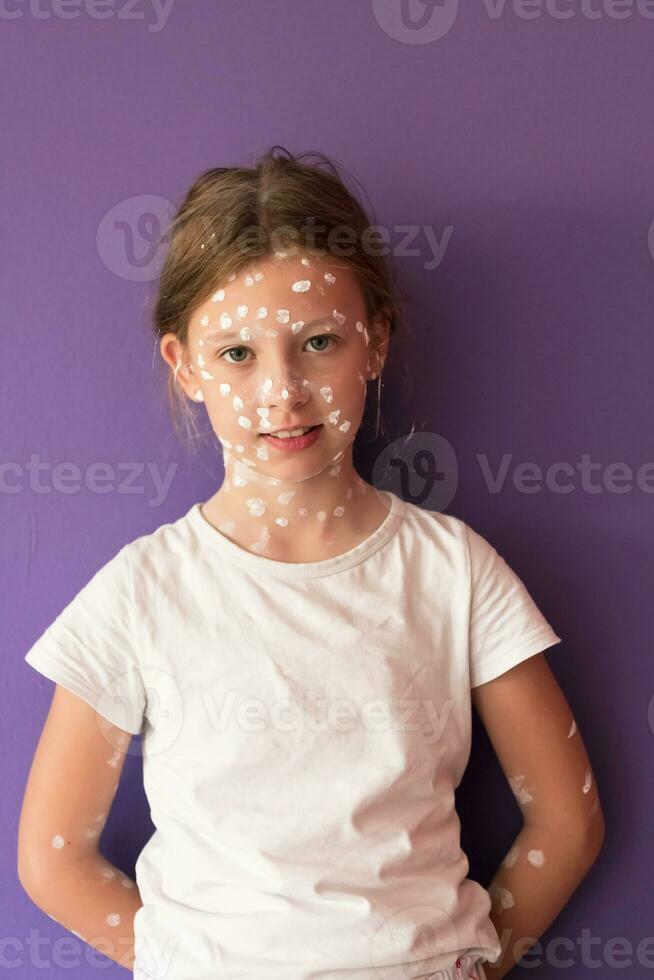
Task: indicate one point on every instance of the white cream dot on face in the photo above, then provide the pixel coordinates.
(328, 277)
(359, 326)
(335, 470)
(588, 782)
(285, 497)
(261, 313)
(219, 296)
(225, 389)
(57, 841)
(108, 873)
(339, 511)
(245, 333)
(113, 919)
(200, 360)
(127, 883)
(256, 506)
(242, 311)
(333, 416)
(206, 376)
(573, 728)
(199, 397)
(339, 317)
(225, 321)
(227, 527)
(511, 857)
(204, 321)
(244, 422)
(91, 832)
(283, 316)
(327, 393)
(345, 426)
(237, 402)
(262, 452)
(238, 481)
(322, 515)
(537, 858)
(282, 521)
(301, 286)
(297, 326)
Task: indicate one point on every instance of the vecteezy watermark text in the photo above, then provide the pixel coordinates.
(427, 21)
(423, 468)
(94, 9)
(131, 238)
(37, 476)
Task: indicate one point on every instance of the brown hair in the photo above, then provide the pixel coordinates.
(276, 202)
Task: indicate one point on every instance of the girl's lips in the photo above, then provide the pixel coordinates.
(295, 442)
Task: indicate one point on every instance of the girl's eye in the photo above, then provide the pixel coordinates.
(244, 350)
(230, 350)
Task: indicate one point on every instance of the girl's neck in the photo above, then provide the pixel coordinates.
(301, 521)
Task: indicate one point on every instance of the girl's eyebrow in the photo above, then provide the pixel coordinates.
(227, 334)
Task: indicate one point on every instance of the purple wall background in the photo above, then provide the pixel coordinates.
(531, 139)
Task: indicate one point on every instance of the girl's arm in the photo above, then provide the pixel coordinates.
(541, 751)
(70, 789)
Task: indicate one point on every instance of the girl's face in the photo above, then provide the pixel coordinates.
(285, 344)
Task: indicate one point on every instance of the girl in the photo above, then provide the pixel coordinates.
(300, 653)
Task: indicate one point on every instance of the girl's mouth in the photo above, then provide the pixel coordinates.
(293, 443)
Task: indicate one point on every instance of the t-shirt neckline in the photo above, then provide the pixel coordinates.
(312, 569)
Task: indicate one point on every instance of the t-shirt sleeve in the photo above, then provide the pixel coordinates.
(92, 648)
(506, 625)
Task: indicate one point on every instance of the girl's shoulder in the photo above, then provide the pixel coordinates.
(168, 540)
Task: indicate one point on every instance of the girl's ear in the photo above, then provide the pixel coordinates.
(178, 358)
(379, 341)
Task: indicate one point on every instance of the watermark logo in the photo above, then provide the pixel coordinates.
(427, 21)
(130, 236)
(416, 21)
(421, 468)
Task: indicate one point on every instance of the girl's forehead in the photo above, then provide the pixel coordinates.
(282, 291)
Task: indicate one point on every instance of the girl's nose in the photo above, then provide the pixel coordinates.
(284, 391)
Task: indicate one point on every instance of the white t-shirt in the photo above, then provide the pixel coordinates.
(304, 727)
